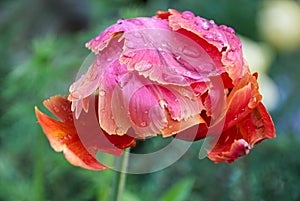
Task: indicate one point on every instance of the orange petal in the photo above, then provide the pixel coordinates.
(238, 140)
(243, 98)
(63, 136)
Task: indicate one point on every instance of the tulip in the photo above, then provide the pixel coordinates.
(165, 75)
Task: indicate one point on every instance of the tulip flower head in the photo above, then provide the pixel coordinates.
(175, 75)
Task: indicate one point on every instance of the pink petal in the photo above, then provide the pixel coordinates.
(146, 112)
(211, 37)
(90, 81)
(124, 25)
(167, 57)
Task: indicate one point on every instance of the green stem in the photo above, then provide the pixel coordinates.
(38, 175)
(120, 178)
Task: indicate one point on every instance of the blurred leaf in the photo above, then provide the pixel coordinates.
(179, 191)
(128, 196)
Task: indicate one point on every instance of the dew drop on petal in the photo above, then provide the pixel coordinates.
(207, 67)
(143, 124)
(173, 78)
(93, 76)
(187, 73)
(120, 21)
(164, 43)
(259, 124)
(162, 103)
(76, 95)
(188, 15)
(102, 93)
(190, 52)
(137, 35)
(56, 109)
(125, 79)
(208, 36)
(141, 67)
(205, 25)
(130, 44)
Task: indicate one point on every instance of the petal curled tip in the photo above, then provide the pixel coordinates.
(238, 140)
(238, 148)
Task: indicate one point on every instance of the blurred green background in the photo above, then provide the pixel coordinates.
(41, 49)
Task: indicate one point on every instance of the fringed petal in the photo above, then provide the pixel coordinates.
(220, 42)
(241, 138)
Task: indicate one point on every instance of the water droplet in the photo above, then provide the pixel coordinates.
(64, 108)
(109, 59)
(227, 138)
(188, 15)
(93, 76)
(120, 21)
(190, 52)
(230, 55)
(160, 49)
(136, 21)
(97, 38)
(187, 73)
(208, 36)
(205, 25)
(143, 124)
(56, 109)
(164, 43)
(125, 79)
(141, 67)
(76, 95)
(178, 57)
(198, 21)
(146, 112)
(173, 78)
(102, 93)
(170, 126)
(235, 117)
(137, 35)
(212, 22)
(207, 67)
(162, 103)
(254, 99)
(130, 44)
(260, 124)
(228, 29)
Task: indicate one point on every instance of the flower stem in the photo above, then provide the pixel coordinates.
(38, 175)
(120, 178)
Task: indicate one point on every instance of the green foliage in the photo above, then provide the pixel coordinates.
(180, 191)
